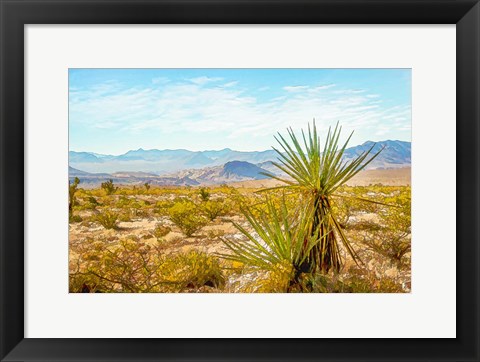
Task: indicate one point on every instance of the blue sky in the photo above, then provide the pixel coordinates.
(112, 111)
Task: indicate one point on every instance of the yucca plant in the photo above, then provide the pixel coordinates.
(281, 241)
(317, 174)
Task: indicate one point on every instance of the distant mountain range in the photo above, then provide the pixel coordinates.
(159, 162)
(162, 162)
(183, 167)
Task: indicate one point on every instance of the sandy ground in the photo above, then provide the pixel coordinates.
(209, 238)
(390, 177)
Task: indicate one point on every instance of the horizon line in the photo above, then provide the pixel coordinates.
(211, 150)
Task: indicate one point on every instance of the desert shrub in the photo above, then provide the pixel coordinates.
(259, 204)
(185, 215)
(213, 209)
(147, 186)
(125, 216)
(123, 201)
(75, 218)
(107, 219)
(90, 204)
(204, 194)
(109, 187)
(272, 281)
(215, 233)
(162, 207)
(130, 266)
(72, 189)
(139, 208)
(344, 208)
(176, 239)
(193, 270)
(92, 200)
(392, 237)
(356, 281)
(161, 230)
(133, 266)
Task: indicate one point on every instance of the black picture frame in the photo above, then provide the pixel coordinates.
(15, 14)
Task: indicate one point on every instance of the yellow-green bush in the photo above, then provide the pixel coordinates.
(185, 215)
(161, 230)
(109, 187)
(193, 270)
(130, 266)
(133, 266)
(72, 190)
(107, 219)
(215, 233)
(204, 194)
(161, 207)
(392, 237)
(213, 209)
(75, 218)
(356, 281)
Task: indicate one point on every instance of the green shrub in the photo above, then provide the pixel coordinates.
(215, 233)
(162, 207)
(123, 201)
(185, 215)
(392, 237)
(125, 216)
(134, 266)
(356, 281)
(75, 218)
(204, 194)
(160, 231)
(213, 209)
(193, 270)
(109, 187)
(93, 200)
(107, 219)
(90, 204)
(130, 266)
(72, 189)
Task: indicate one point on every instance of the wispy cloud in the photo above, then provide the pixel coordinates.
(229, 84)
(310, 89)
(160, 80)
(350, 91)
(295, 88)
(201, 106)
(321, 87)
(204, 80)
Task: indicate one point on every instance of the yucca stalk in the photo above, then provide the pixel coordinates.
(317, 174)
(281, 241)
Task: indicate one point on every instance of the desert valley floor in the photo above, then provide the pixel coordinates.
(168, 239)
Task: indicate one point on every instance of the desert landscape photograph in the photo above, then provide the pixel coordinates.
(239, 181)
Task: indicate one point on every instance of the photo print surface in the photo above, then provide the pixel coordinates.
(239, 180)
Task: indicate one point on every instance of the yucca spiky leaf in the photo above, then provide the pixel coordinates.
(318, 173)
(279, 239)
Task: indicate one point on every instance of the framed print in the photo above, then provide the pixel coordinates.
(246, 181)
